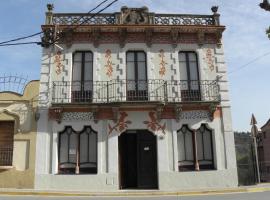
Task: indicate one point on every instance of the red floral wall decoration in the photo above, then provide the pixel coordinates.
(121, 125)
(153, 124)
(162, 64)
(109, 63)
(209, 59)
(57, 61)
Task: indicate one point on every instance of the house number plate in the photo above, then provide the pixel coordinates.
(146, 148)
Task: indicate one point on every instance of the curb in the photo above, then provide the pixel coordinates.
(135, 194)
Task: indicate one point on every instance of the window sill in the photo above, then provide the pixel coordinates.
(6, 167)
(73, 174)
(201, 170)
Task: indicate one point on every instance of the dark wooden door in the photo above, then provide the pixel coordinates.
(138, 160)
(147, 160)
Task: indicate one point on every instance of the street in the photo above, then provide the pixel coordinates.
(235, 196)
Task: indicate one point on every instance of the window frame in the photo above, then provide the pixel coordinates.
(189, 94)
(197, 166)
(84, 95)
(206, 166)
(138, 94)
(61, 170)
(9, 150)
(188, 64)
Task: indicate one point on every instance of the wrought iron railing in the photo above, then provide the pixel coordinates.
(134, 91)
(174, 19)
(6, 154)
(86, 19)
(13, 83)
(112, 19)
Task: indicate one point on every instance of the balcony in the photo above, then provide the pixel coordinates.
(130, 91)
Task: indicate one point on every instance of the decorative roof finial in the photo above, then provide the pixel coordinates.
(50, 7)
(214, 9)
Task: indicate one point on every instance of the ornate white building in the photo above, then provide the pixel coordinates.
(134, 99)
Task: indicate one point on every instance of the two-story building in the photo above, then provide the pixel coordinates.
(134, 100)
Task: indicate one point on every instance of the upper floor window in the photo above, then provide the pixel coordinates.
(189, 76)
(136, 76)
(77, 151)
(195, 148)
(6, 142)
(82, 76)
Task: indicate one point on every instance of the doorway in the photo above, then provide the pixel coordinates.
(138, 160)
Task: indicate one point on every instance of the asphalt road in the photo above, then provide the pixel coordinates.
(239, 196)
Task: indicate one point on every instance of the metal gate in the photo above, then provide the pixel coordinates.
(245, 159)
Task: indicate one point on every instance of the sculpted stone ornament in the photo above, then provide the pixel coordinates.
(135, 15)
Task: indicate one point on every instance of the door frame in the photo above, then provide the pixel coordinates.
(120, 175)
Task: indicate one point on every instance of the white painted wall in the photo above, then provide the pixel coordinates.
(225, 174)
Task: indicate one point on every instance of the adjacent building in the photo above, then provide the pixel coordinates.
(17, 133)
(134, 100)
(264, 151)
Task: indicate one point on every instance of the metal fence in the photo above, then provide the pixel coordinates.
(245, 159)
(13, 83)
(130, 90)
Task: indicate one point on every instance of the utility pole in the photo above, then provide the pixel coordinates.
(254, 133)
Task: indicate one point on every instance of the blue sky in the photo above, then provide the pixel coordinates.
(244, 40)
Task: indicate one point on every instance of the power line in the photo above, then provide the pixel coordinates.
(35, 34)
(250, 62)
(87, 19)
(21, 38)
(19, 43)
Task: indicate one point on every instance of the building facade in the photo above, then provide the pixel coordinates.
(134, 100)
(18, 134)
(264, 152)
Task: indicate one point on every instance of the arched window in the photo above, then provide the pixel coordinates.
(195, 148)
(88, 151)
(189, 76)
(68, 143)
(185, 149)
(205, 147)
(82, 76)
(77, 151)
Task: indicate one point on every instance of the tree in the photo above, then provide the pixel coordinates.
(266, 6)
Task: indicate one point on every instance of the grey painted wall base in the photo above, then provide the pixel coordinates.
(168, 181)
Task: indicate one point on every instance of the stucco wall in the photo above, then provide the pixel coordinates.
(21, 109)
(169, 177)
(211, 67)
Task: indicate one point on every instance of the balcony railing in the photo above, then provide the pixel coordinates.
(111, 19)
(6, 153)
(115, 91)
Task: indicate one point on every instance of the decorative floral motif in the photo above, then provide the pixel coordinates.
(121, 125)
(109, 63)
(57, 61)
(209, 59)
(153, 123)
(162, 64)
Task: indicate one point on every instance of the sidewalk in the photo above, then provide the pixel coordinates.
(243, 189)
